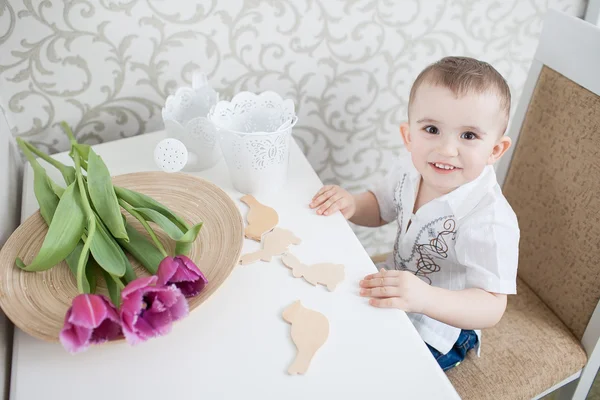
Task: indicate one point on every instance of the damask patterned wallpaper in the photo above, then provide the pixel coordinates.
(106, 66)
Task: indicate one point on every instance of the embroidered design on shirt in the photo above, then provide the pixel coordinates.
(398, 201)
(431, 232)
(399, 261)
(427, 253)
(436, 249)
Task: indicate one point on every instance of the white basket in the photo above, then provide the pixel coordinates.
(255, 133)
(184, 116)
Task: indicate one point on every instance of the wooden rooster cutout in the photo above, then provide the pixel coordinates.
(261, 218)
(309, 332)
(326, 274)
(275, 243)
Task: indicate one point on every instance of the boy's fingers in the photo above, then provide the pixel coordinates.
(319, 200)
(375, 282)
(340, 205)
(332, 204)
(383, 291)
(385, 273)
(332, 199)
(322, 198)
(390, 302)
(333, 208)
(322, 190)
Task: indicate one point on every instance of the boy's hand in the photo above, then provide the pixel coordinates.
(332, 198)
(396, 289)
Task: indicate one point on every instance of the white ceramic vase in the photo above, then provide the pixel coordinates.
(254, 133)
(185, 118)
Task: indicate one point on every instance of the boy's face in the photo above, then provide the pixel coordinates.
(452, 139)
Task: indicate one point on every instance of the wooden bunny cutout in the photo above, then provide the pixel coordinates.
(261, 218)
(275, 243)
(310, 330)
(326, 274)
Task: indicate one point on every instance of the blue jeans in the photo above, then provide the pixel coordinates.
(465, 342)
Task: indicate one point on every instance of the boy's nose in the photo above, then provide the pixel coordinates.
(447, 148)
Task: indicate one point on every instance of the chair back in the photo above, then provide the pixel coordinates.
(553, 182)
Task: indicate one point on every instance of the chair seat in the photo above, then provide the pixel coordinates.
(526, 353)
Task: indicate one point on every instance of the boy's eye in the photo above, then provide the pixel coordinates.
(469, 136)
(431, 129)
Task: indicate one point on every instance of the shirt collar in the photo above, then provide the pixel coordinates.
(463, 199)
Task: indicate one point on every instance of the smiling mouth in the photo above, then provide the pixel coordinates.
(443, 167)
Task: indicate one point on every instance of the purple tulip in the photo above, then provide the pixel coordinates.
(148, 309)
(92, 319)
(183, 273)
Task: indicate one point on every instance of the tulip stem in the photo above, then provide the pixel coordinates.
(91, 226)
(65, 170)
(55, 163)
(147, 227)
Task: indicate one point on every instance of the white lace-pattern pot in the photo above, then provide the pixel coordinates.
(185, 118)
(254, 133)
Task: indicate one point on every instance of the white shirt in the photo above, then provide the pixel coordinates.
(464, 239)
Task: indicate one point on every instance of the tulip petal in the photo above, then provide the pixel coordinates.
(137, 284)
(180, 309)
(90, 319)
(155, 302)
(108, 330)
(166, 269)
(189, 264)
(88, 311)
(169, 295)
(133, 302)
(190, 289)
(148, 310)
(144, 330)
(74, 339)
(129, 329)
(184, 274)
(133, 336)
(160, 322)
(112, 313)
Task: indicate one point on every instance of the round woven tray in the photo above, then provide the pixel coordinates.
(36, 302)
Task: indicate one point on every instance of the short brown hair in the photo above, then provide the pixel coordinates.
(464, 75)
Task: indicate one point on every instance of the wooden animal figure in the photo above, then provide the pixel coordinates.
(261, 218)
(274, 243)
(326, 274)
(309, 332)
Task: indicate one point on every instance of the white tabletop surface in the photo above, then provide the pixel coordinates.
(236, 345)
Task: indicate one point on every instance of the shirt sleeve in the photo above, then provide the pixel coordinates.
(488, 247)
(385, 188)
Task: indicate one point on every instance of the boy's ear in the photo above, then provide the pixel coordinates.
(499, 149)
(405, 133)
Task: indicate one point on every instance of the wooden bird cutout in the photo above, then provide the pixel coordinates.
(274, 243)
(309, 332)
(261, 218)
(327, 274)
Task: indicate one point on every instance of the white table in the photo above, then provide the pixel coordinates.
(236, 345)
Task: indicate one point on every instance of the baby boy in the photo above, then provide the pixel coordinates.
(456, 251)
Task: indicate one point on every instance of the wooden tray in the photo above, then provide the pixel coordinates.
(36, 302)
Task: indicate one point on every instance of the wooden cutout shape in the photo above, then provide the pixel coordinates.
(275, 243)
(261, 218)
(309, 332)
(327, 274)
